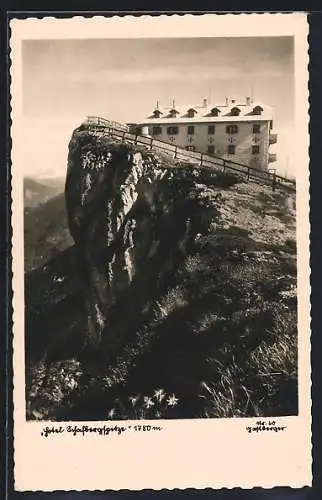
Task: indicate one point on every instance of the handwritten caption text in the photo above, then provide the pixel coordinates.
(103, 430)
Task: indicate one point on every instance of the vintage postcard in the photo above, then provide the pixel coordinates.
(160, 216)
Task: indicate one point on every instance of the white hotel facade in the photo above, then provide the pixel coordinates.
(240, 132)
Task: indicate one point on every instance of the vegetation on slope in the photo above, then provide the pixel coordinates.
(222, 341)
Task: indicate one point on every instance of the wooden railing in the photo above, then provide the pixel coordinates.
(99, 121)
(210, 162)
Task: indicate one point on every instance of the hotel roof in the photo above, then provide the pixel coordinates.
(228, 112)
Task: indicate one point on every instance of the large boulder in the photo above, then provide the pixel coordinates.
(134, 216)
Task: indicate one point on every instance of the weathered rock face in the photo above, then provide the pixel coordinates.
(133, 217)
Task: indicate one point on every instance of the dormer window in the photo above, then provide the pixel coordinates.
(257, 110)
(157, 113)
(173, 113)
(215, 112)
(235, 111)
(191, 113)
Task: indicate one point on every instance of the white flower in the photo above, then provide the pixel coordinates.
(58, 279)
(111, 413)
(172, 400)
(133, 400)
(159, 394)
(148, 402)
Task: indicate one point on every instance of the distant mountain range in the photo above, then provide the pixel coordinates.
(38, 191)
(45, 221)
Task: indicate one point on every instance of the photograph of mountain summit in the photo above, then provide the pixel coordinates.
(159, 229)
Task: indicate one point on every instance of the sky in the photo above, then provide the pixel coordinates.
(63, 81)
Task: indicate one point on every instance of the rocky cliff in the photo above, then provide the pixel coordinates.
(134, 216)
(182, 284)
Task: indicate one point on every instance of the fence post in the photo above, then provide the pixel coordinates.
(224, 166)
(123, 136)
(136, 140)
(274, 182)
(175, 151)
(201, 159)
(248, 173)
(151, 143)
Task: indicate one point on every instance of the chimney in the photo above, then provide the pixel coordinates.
(226, 101)
(205, 102)
(247, 101)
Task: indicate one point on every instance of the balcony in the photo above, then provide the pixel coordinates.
(272, 157)
(272, 138)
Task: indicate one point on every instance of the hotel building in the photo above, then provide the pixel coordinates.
(235, 131)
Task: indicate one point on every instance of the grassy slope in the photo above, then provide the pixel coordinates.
(223, 339)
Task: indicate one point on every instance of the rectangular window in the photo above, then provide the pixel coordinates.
(231, 149)
(256, 128)
(231, 129)
(211, 150)
(191, 129)
(255, 150)
(172, 130)
(211, 129)
(156, 130)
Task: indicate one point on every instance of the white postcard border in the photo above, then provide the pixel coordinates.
(185, 454)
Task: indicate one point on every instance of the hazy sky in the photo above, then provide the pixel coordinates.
(66, 80)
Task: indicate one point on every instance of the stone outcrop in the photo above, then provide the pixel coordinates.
(134, 215)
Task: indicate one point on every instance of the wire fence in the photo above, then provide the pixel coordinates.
(209, 162)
